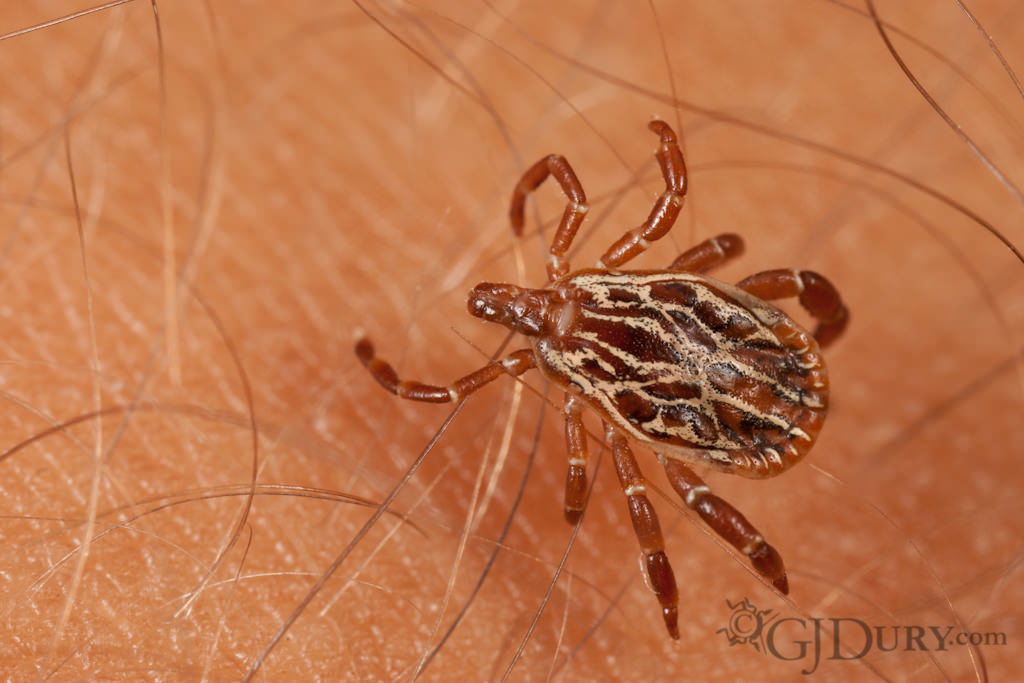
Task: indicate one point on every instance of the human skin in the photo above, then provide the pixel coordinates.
(313, 175)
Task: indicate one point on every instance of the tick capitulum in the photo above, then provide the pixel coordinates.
(702, 372)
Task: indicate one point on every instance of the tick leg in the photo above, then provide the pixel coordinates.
(726, 521)
(575, 211)
(515, 364)
(576, 444)
(666, 209)
(647, 528)
(817, 295)
(709, 254)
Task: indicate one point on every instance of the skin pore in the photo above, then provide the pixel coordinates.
(312, 172)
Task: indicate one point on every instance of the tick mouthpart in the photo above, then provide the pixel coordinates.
(527, 311)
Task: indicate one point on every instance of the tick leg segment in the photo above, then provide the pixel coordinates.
(515, 364)
(576, 444)
(726, 521)
(709, 254)
(647, 528)
(575, 211)
(666, 209)
(816, 293)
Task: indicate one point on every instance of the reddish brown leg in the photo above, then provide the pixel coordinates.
(575, 211)
(817, 295)
(647, 528)
(576, 444)
(515, 364)
(709, 254)
(726, 521)
(665, 210)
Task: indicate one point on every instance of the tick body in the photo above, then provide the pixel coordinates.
(702, 372)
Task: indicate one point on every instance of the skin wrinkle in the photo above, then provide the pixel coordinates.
(349, 188)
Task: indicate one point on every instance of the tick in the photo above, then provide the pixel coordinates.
(704, 373)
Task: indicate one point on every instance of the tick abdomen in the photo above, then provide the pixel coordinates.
(687, 362)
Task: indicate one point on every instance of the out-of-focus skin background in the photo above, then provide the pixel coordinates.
(255, 182)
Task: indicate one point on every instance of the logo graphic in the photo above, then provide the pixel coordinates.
(841, 639)
(746, 624)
